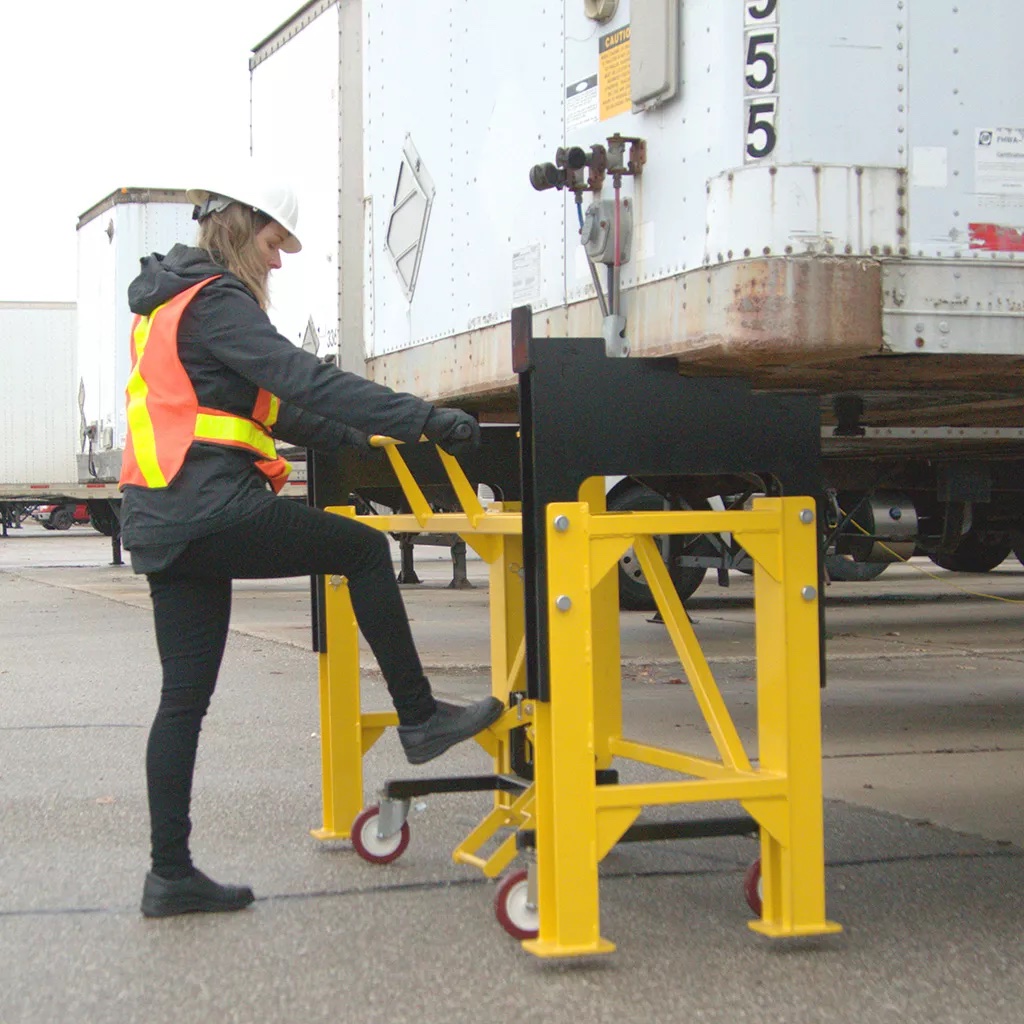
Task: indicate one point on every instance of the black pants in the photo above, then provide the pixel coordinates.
(192, 609)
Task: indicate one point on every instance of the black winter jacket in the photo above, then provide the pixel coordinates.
(230, 349)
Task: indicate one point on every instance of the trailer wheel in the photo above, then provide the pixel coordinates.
(752, 888)
(102, 517)
(370, 846)
(634, 593)
(513, 909)
(847, 570)
(62, 518)
(974, 554)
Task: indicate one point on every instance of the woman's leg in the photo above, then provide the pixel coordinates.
(290, 539)
(286, 538)
(191, 618)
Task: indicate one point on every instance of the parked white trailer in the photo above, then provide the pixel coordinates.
(38, 380)
(819, 196)
(40, 422)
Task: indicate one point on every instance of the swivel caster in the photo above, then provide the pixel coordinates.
(752, 887)
(515, 906)
(370, 845)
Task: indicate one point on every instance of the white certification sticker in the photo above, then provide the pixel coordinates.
(999, 161)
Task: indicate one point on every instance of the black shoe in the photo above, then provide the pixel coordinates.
(165, 897)
(448, 725)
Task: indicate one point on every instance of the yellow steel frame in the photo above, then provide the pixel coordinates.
(347, 732)
(579, 729)
(578, 822)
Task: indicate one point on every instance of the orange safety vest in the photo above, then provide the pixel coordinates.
(164, 414)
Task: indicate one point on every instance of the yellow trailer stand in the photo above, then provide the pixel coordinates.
(556, 664)
(578, 821)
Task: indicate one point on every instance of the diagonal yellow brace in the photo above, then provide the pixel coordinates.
(764, 548)
(720, 723)
(605, 553)
(464, 491)
(517, 673)
(515, 815)
(417, 500)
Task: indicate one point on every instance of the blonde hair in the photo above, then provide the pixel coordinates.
(229, 237)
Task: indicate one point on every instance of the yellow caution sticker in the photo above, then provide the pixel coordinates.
(613, 73)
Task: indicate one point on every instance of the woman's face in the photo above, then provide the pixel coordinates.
(269, 240)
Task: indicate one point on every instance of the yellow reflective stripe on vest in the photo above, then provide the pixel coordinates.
(228, 429)
(275, 408)
(272, 413)
(139, 421)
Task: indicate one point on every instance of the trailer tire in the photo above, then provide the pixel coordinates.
(974, 554)
(634, 593)
(847, 570)
(102, 517)
(62, 518)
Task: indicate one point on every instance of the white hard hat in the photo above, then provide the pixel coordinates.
(278, 202)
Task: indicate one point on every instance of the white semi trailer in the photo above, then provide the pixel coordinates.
(39, 419)
(823, 196)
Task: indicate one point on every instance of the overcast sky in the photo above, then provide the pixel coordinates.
(99, 95)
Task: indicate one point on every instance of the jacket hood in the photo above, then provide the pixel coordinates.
(163, 277)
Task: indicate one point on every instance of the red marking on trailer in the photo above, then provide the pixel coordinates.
(996, 237)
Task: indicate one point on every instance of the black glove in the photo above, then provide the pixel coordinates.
(355, 438)
(454, 430)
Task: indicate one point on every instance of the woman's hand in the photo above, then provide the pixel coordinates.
(454, 430)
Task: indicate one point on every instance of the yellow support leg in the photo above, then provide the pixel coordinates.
(341, 741)
(789, 728)
(566, 809)
(607, 648)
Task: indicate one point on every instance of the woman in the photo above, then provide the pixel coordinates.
(212, 384)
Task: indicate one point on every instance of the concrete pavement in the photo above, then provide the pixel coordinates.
(922, 717)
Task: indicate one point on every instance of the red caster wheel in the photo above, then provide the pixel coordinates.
(372, 847)
(752, 886)
(512, 906)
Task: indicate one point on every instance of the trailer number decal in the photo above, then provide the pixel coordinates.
(760, 77)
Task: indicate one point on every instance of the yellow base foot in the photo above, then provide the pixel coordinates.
(543, 948)
(326, 833)
(778, 932)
